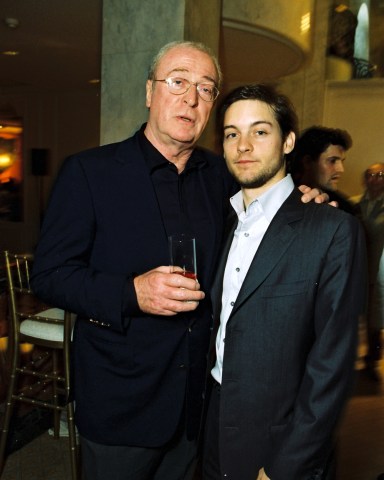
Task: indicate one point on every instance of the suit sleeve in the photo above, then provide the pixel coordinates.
(328, 376)
(63, 274)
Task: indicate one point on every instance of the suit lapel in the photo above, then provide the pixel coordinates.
(278, 237)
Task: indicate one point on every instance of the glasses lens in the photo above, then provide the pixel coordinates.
(375, 175)
(207, 91)
(177, 85)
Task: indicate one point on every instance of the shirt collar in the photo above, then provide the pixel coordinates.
(270, 201)
(155, 160)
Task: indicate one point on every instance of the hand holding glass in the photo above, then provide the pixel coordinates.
(182, 251)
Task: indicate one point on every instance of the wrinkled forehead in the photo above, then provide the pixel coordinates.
(187, 60)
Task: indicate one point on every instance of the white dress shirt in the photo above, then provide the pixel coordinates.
(252, 225)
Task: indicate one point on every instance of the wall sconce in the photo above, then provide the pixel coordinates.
(6, 160)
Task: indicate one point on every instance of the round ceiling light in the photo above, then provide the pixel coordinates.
(11, 22)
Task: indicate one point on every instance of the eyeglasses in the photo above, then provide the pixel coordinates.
(375, 175)
(177, 86)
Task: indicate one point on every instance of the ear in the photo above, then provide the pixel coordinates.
(289, 142)
(148, 96)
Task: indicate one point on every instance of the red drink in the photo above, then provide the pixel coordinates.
(187, 274)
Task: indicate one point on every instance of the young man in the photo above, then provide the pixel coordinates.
(318, 160)
(286, 299)
(142, 333)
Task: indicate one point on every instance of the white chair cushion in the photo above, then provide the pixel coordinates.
(42, 330)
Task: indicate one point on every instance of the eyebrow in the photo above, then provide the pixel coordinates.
(253, 124)
(185, 70)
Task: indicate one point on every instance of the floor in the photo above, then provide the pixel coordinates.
(361, 436)
(42, 459)
(360, 450)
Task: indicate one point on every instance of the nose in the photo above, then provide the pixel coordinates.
(191, 96)
(339, 166)
(244, 145)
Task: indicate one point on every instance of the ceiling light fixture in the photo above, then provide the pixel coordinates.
(11, 22)
(10, 53)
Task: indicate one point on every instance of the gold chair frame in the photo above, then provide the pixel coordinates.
(54, 331)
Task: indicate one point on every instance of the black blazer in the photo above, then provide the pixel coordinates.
(290, 343)
(103, 223)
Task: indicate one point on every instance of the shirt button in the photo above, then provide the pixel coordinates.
(237, 269)
(232, 303)
(246, 234)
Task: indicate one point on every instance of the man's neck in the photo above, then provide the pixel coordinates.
(175, 152)
(250, 194)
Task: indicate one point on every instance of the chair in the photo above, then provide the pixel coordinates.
(49, 329)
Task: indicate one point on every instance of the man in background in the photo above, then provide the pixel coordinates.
(371, 204)
(318, 161)
(287, 296)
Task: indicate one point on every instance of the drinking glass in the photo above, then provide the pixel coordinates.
(182, 251)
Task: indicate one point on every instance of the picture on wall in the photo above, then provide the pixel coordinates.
(11, 170)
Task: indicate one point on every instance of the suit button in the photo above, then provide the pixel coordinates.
(189, 329)
(182, 365)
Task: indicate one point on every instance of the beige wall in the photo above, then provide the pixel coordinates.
(306, 87)
(358, 107)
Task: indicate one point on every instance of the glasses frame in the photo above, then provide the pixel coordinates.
(197, 85)
(375, 175)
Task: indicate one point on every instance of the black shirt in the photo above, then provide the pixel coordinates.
(183, 205)
(181, 202)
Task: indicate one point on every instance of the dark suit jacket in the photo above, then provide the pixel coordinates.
(290, 343)
(133, 373)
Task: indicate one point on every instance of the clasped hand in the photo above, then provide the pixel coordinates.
(160, 292)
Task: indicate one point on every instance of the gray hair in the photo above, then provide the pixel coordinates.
(183, 43)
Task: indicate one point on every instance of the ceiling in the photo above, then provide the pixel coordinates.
(59, 43)
(274, 57)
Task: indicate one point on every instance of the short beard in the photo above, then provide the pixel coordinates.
(262, 178)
